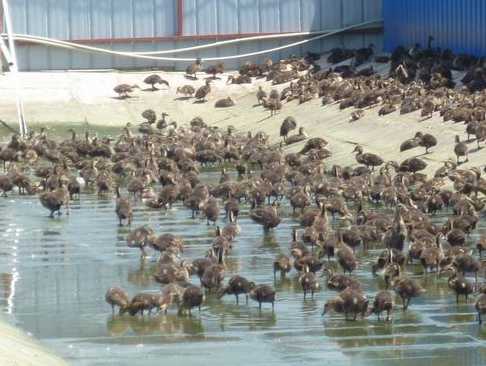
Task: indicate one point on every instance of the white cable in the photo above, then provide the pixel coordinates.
(70, 45)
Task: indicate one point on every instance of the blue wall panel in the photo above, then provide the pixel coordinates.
(456, 24)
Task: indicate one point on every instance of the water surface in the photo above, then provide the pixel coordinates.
(54, 273)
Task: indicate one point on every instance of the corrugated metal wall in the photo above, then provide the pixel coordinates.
(456, 24)
(150, 25)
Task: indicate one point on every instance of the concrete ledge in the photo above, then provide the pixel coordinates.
(18, 349)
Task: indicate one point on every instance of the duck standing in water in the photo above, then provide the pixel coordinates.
(262, 294)
(116, 296)
(123, 208)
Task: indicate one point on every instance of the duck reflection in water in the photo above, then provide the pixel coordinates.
(120, 325)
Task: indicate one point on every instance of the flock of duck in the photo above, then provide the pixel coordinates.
(333, 207)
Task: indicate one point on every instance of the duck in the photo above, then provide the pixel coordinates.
(267, 216)
(480, 306)
(54, 200)
(358, 114)
(212, 277)
(186, 90)
(237, 285)
(368, 159)
(300, 136)
(406, 289)
(215, 69)
(224, 103)
(428, 141)
(155, 79)
(203, 91)
(194, 68)
(140, 302)
(261, 95)
(481, 245)
(116, 296)
(123, 208)
(461, 150)
(288, 124)
(459, 284)
(338, 281)
(309, 282)
(139, 238)
(282, 264)
(411, 143)
(383, 302)
(192, 297)
(262, 294)
(124, 90)
(348, 302)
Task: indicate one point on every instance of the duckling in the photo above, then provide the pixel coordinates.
(368, 159)
(481, 245)
(383, 302)
(461, 150)
(203, 91)
(387, 109)
(407, 289)
(140, 303)
(237, 285)
(345, 255)
(139, 238)
(261, 95)
(194, 68)
(301, 136)
(124, 90)
(358, 114)
(459, 284)
(165, 242)
(215, 69)
(53, 201)
(123, 208)
(480, 306)
(224, 103)
(231, 230)
(288, 124)
(411, 143)
(155, 79)
(465, 263)
(192, 297)
(282, 264)
(350, 302)
(262, 294)
(267, 216)
(428, 141)
(186, 90)
(211, 211)
(199, 265)
(212, 277)
(6, 184)
(338, 281)
(116, 296)
(308, 281)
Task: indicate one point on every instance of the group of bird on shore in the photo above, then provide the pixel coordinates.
(333, 206)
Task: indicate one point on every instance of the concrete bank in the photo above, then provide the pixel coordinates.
(63, 97)
(18, 349)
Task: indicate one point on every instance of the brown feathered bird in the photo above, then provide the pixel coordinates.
(123, 208)
(124, 90)
(155, 79)
(203, 92)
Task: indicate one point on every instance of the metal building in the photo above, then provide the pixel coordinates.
(456, 24)
(154, 25)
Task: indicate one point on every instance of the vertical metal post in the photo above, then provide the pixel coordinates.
(13, 65)
(180, 18)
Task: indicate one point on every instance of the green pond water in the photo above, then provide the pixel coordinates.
(54, 274)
